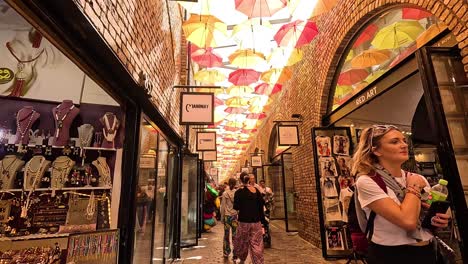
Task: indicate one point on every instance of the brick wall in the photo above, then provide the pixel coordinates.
(146, 35)
(307, 92)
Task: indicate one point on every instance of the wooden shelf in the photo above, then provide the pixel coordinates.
(62, 189)
(34, 236)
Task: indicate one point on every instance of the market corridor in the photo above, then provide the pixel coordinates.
(286, 248)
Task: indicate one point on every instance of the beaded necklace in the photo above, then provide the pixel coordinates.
(6, 170)
(18, 124)
(59, 119)
(32, 175)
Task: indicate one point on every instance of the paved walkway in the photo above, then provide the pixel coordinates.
(286, 248)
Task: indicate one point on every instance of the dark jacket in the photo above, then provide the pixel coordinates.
(249, 205)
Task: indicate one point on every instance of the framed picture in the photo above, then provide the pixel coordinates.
(256, 161)
(334, 239)
(196, 108)
(245, 169)
(211, 155)
(323, 144)
(206, 141)
(340, 145)
(344, 166)
(288, 135)
(327, 167)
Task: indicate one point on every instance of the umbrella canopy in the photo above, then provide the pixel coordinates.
(370, 58)
(243, 76)
(342, 90)
(260, 8)
(267, 89)
(403, 55)
(206, 58)
(284, 56)
(276, 75)
(209, 76)
(352, 76)
(235, 124)
(350, 55)
(240, 90)
(246, 58)
(236, 117)
(204, 30)
(235, 110)
(430, 33)
(253, 33)
(366, 35)
(372, 77)
(236, 101)
(260, 100)
(398, 34)
(323, 6)
(257, 116)
(414, 13)
(296, 34)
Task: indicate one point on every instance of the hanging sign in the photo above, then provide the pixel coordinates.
(245, 169)
(256, 161)
(206, 141)
(210, 155)
(196, 108)
(288, 135)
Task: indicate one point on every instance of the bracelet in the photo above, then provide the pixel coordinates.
(412, 191)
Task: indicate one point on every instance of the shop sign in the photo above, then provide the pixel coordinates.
(210, 155)
(288, 135)
(369, 94)
(245, 169)
(206, 141)
(147, 162)
(447, 41)
(256, 161)
(6, 75)
(196, 108)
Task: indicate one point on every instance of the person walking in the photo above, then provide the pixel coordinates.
(229, 217)
(395, 198)
(249, 237)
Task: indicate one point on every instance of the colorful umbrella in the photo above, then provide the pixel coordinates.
(260, 100)
(397, 35)
(246, 58)
(235, 110)
(256, 116)
(268, 89)
(204, 30)
(430, 34)
(243, 76)
(350, 55)
(323, 6)
(374, 76)
(236, 124)
(240, 90)
(370, 58)
(209, 76)
(296, 34)
(284, 56)
(236, 101)
(274, 75)
(414, 13)
(366, 35)
(206, 58)
(260, 8)
(218, 102)
(403, 55)
(236, 117)
(253, 34)
(342, 90)
(352, 76)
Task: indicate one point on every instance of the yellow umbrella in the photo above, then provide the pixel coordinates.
(350, 55)
(219, 115)
(246, 58)
(285, 56)
(370, 58)
(209, 76)
(239, 90)
(253, 33)
(236, 102)
(257, 109)
(373, 76)
(251, 123)
(430, 33)
(204, 30)
(398, 34)
(276, 75)
(236, 117)
(342, 90)
(235, 124)
(260, 100)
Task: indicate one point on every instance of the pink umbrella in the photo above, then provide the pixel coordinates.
(267, 89)
(297, 33)
(235, 110)
(243, 76)
(231, 129)
(366, 35)
(247, 131)
(260, 8)
(206, 57)
(218, 102)
(414, 13)
(352, 76)
(256, 116)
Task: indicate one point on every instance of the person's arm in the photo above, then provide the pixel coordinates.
(405, 215)
(261, 203)
(222, 207)
(236, 205)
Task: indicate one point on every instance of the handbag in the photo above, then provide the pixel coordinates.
(444, 253)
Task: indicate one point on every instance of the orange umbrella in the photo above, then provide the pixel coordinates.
(273, 76)
(370, 58)
(209, 76)
(352, 76)
(323, 6)
(430, 33)
(260, 8)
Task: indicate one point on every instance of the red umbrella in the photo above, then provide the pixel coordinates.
(297, 33)
(260, 8)
(243, 76)
(256, 116)
(235, 110)
(218, 102)
(366, 35)
(352, 76)
(267, 89)
(414, 13)
(243, 142)
(206, 57)
(232, 129)
(247, 131)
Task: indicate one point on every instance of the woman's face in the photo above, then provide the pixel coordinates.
(393, 147)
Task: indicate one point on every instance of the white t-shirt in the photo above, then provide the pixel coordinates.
(385, 233)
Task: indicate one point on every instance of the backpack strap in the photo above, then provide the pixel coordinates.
(370, 223)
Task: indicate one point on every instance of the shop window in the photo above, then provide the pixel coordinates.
(380, 46)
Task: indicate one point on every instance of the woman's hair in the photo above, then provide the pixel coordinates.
(244, 176)
(232, 183)
(364, 157)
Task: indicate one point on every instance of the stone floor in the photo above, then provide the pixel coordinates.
(286, 248)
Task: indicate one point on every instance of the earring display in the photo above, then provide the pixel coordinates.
(102, 247)
(9, 167)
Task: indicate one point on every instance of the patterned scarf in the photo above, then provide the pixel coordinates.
(399, 191)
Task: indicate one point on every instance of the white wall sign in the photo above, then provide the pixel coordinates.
(256, 161)
(196, 108)
(288, 135)
(210, 155)
(206, 141)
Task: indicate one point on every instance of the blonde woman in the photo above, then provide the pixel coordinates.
(397, 236)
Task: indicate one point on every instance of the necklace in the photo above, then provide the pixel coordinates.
(27, 204)
(18, 125)
(59, 173)
(33, 175)
(59, 119)
(104, 168)
(85, 133)
(91, 207)
(6, 169)
(110, 131)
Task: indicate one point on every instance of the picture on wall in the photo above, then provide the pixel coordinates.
(323, 146)
(327, 167)
(340, 145)
(256, 161)
(329, 187)
(288, 135)
(334, 239)
(332, 209)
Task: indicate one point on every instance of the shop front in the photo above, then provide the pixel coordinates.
(402, 68)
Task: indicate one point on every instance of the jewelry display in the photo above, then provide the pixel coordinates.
(64, 114)
(9, 167)
(85, 134)
(27, 204)
(91, 207)
(33, 172)
(97, 139)
(60, 117)
(61, 167)
(104, 172)
(101, 246)
(109, 130)
(25, 117)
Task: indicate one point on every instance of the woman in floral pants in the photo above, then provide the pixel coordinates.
(228, 217)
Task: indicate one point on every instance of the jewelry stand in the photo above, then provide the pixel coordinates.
(110, 128)
(105, 179)
(25, 118)
(85, 134)
(61, 167)
(9, 167)
(64, 114)
(33, 172)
